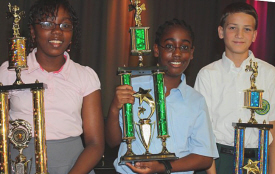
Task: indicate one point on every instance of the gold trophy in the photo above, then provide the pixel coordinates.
(144, 128)
(253, 100)
(20, 133)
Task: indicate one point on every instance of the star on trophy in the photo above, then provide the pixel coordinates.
(253, 100)
(144, 128)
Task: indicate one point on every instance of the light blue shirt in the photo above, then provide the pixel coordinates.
(188, 122)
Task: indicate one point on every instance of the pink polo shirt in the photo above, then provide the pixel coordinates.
(63, 96)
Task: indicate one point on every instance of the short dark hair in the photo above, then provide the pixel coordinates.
(239, 7)
(175, 22)
(42, 9)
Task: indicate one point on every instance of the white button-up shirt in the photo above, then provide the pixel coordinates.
(223, 84)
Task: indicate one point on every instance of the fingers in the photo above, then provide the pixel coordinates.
(123, 95)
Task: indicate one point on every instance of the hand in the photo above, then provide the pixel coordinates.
(147, 167)
(123, 95)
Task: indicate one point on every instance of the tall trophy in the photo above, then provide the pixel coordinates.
(20, 133)
(144, 128)
(252, 100)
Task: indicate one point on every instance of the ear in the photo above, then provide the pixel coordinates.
(192, 53)
(156, 50)
(254, 36)
(32, 32)
(221, 32)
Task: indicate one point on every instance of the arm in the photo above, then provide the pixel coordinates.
(187, 163)
(212, 169)
(123, 95)
(93, 134)
(272, 150)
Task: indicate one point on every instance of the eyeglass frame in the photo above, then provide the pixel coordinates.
(174, 48)
(60, 25)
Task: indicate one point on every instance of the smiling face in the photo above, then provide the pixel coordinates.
(52, 43)
(238, 33)
(178, 60)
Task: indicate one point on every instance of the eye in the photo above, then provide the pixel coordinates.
(184, 48)
(66, 25)
(169, 47)
(47, 24)
(248, 29)
(232, 28)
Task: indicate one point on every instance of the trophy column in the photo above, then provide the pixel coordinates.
(39, 130)
(128, 122)
(4, 128)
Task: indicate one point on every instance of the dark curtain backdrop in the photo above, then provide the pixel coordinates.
(105, 39)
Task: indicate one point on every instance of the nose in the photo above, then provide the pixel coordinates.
(57, 29)
(239, 33)
(177, 52)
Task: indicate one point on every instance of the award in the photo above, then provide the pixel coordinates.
(252, 100)
(144, 128)
(20, 134)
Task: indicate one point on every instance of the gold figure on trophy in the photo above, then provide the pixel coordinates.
(17, 17)
(254, 68)
(138, 9)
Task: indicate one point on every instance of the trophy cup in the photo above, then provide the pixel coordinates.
(253, 101)
(20, 134)
(145, 127)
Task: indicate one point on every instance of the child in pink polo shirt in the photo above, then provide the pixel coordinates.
(72, 97)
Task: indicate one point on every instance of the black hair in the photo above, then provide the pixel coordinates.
(42, 9)
(239, 7)
(175, 22)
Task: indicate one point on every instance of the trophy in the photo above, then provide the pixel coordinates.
(20, 134)
(145, 127)
(252, 100)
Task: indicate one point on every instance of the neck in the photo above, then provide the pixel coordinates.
(170, 83)
(50, 64)
(237, 58)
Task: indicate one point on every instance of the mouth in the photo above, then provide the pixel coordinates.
(176, 64)
(56, 43)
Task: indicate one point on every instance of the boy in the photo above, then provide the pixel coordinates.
(189, 127)
(222, 83)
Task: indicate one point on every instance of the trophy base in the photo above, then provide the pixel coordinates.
(150, 157)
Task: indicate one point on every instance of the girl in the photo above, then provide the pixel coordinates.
(72, 97)
(189, 127)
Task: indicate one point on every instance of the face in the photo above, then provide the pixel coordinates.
(52, 43)
(238, 33)
(176, 61)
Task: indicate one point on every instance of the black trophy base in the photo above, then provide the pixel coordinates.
(150, 157)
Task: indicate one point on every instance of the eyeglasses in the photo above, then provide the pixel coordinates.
(51, 25)
(171, 48)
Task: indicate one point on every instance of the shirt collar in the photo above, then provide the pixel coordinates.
(182, 86)
(33, 65)
(229, 64)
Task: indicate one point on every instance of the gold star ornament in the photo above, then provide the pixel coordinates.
(252, 167)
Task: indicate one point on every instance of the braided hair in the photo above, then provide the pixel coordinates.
(43, 9)
(175, 22)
